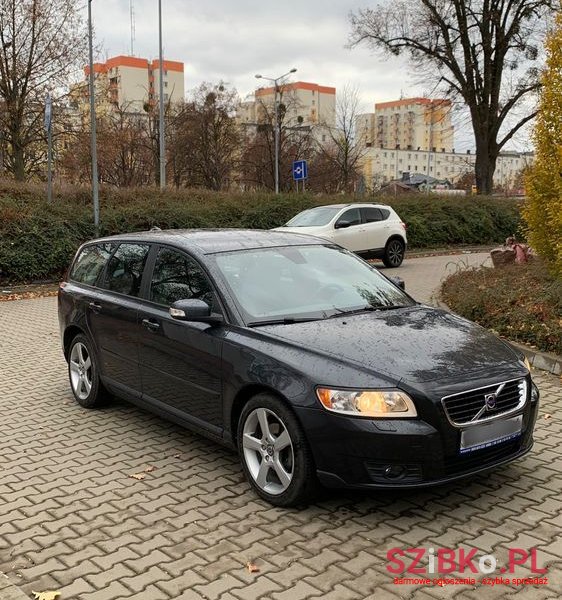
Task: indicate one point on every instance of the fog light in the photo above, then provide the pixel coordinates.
(394, 471)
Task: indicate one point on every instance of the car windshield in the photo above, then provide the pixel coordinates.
(293, 283)
(314, 217)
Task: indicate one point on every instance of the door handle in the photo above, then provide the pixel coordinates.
(151, 324)
(95, 306)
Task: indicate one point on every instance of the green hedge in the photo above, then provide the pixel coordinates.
(38, 240)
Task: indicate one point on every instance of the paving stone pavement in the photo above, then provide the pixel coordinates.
(71, 518)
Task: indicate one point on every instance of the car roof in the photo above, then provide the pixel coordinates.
(351, 205)
(209, 241)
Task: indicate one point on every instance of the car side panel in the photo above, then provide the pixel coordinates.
(113, 322)
(181, 364)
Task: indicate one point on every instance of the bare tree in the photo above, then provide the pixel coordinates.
(341, 152)
(295, 142)
(204, 138)
(479, 50)
(41, 42)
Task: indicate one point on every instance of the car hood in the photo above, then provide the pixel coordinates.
(312, 230)
(415, 344)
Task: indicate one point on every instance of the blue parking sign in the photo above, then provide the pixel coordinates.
(300, 170)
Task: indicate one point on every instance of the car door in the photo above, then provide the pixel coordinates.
(112, 316)
(180, 361)
(348, 230)
(375, 227)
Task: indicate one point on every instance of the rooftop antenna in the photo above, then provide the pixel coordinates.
(132, 16)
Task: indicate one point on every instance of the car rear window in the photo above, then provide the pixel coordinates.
(90, 263)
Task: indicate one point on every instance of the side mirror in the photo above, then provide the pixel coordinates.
(194, 310)
(342, 224)
(399, 282)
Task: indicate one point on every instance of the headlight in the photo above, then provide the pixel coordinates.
(535, 395)
(368, 403)
(527, 363)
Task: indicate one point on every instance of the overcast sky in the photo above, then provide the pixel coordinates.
(232, 40)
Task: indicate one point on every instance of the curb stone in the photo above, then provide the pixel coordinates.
(8, 591)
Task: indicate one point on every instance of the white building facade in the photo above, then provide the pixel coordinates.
(381, 165)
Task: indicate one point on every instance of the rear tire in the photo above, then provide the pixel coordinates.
(394, 253)
(83, 373)
(274, 452)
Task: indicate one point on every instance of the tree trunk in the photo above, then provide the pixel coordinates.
(485, 166)
(18, 160)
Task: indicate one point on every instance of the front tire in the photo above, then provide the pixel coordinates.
(83, 373)
(274, 452)
(394, 253)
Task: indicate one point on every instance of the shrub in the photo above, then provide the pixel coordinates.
(521, 302)
(37, 240)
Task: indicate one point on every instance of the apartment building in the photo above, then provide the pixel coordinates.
(381, 165)
(409, 124)
(306, 104)
(132, 83)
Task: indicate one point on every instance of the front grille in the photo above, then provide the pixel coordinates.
(481, 458)
(467, 407)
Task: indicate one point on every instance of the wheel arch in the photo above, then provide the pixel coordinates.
(395, 236)
(69, 334)
(243, 396)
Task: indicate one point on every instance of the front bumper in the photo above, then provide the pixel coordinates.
(386, 454)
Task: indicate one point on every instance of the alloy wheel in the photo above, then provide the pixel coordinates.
(80, 370)
(268, 451)
(395, 253)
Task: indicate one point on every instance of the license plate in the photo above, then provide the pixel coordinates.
(490, 434)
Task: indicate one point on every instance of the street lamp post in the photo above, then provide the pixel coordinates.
(95, 191)
(277, 133)
(161, 102)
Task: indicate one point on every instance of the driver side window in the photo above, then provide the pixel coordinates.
(178, 277)
(351, 216)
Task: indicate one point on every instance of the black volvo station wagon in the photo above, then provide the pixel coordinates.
(294, 351)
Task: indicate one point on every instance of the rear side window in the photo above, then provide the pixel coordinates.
(90, 263)
(178, 277)
(125, 268)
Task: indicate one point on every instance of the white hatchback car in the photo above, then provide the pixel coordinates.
(371, 230)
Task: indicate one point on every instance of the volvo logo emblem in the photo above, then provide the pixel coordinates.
(490, 400)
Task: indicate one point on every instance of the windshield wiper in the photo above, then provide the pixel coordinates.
(368, 308)
(283, 321)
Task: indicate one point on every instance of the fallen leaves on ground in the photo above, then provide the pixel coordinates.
(149, 469)
(252, 568)
(138, 476)
(49, 595)
(547, 416)
(26, 295)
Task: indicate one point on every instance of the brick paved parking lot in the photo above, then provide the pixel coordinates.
(72, 519)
